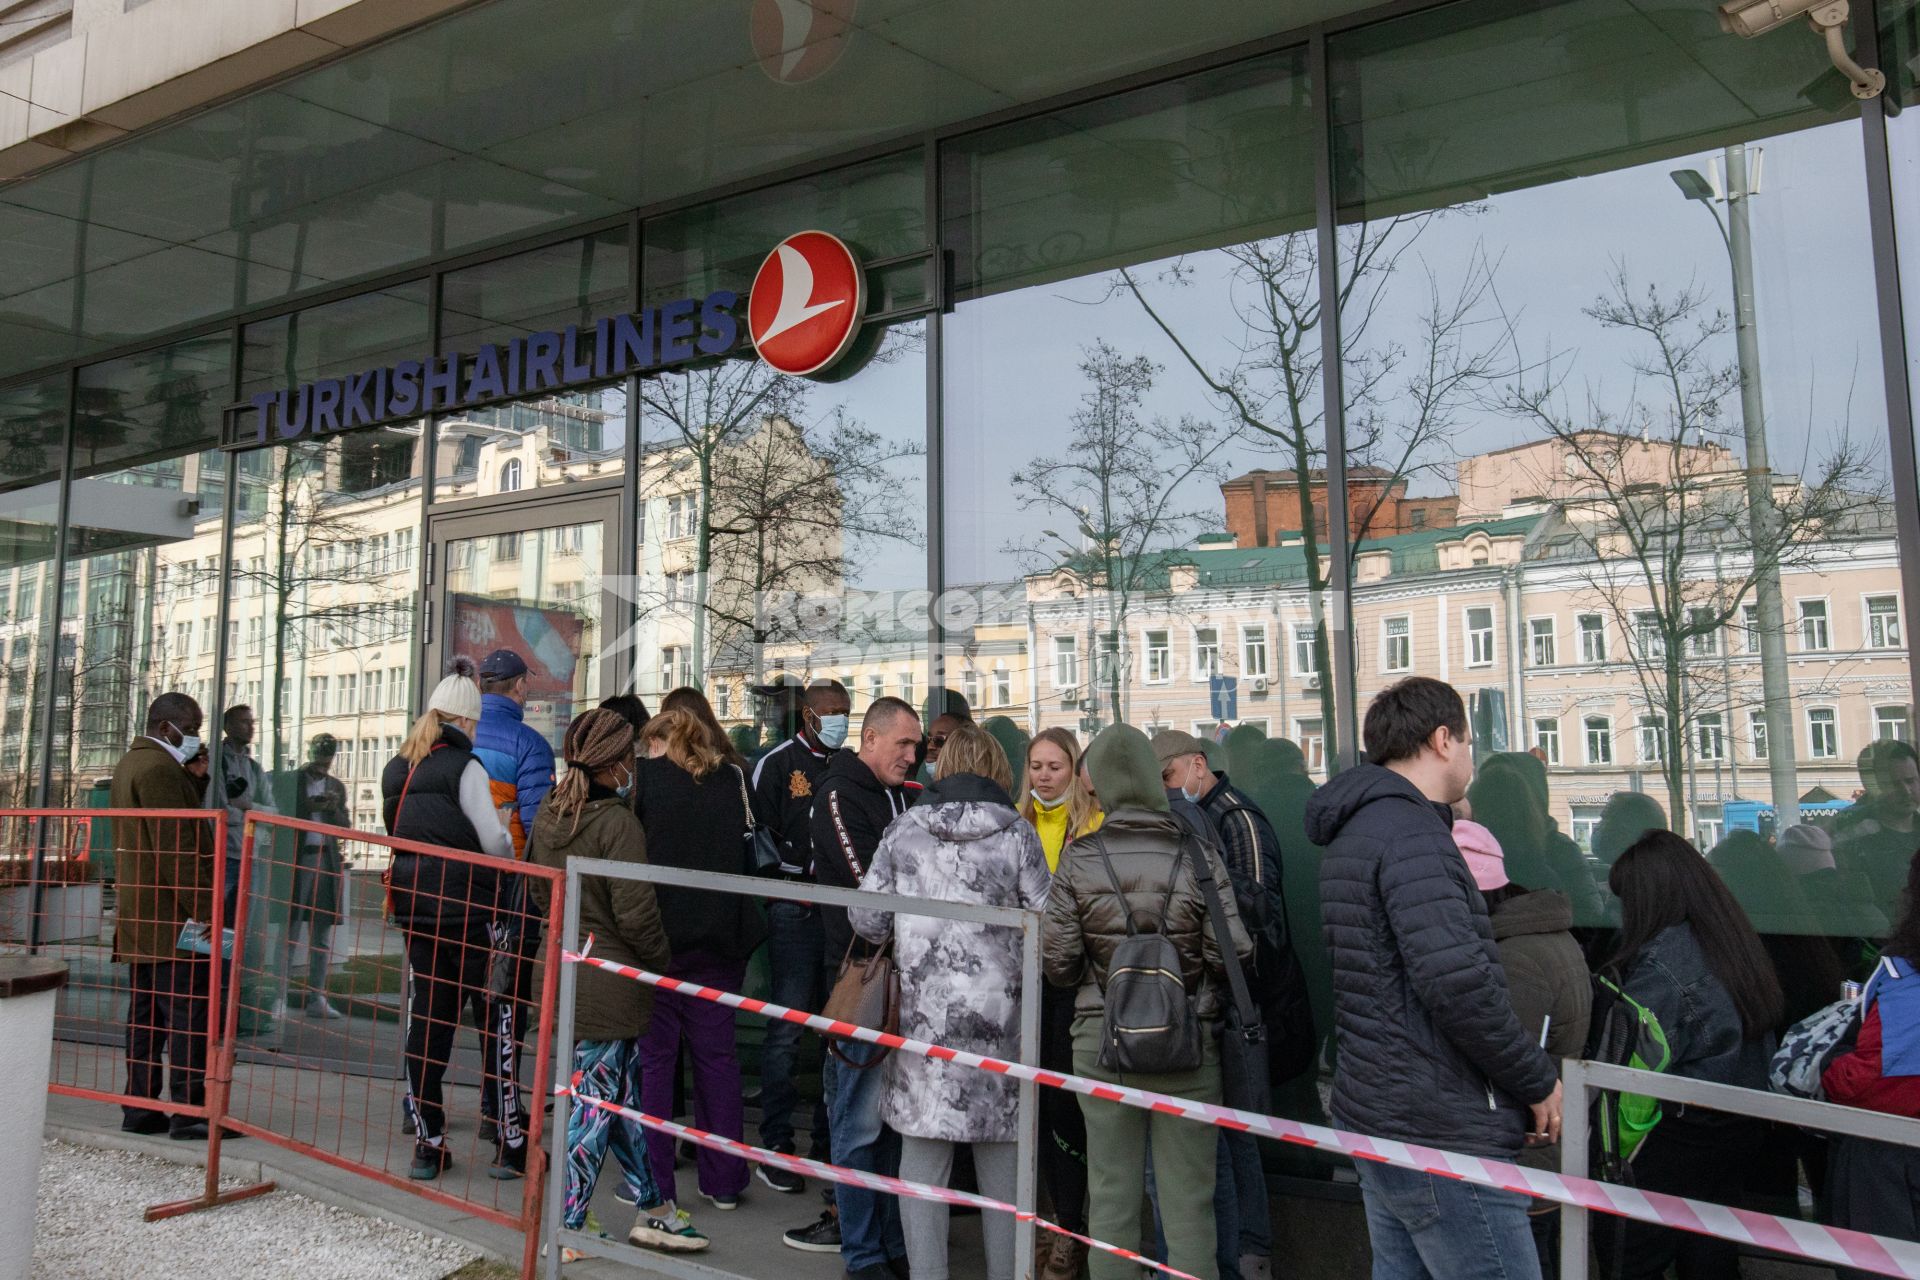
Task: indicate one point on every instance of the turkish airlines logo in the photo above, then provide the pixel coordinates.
(797, 40)
(808, 299)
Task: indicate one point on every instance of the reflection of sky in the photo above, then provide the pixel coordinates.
(1012, 385)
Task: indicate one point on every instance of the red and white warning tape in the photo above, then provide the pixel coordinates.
(1836, 1246)
(856, 1178)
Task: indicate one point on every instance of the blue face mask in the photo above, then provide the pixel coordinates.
(625, 789)
(833, 730)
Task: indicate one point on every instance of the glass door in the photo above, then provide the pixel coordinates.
(534, 579)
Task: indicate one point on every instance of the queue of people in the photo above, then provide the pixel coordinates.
(1469, 947)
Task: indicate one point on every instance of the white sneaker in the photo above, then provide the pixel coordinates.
(317, 1007)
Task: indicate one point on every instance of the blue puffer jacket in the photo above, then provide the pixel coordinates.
(518, 761)
(1430, 1048)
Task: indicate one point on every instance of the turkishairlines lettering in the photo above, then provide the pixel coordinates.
(646, 341)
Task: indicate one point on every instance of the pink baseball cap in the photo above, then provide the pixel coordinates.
(1483, 854)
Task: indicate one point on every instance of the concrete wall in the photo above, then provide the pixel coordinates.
(107, 67)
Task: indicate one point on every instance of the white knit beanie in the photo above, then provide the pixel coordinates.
(457, 695)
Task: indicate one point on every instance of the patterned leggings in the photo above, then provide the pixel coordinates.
(608, 1070)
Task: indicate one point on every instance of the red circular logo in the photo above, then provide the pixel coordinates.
(807, 302)
(796, 40)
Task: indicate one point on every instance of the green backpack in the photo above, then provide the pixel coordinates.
(1626, 1033)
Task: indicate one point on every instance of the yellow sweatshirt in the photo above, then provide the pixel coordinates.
(1052, 826)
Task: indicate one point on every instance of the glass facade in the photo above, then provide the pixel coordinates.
(1538, 347)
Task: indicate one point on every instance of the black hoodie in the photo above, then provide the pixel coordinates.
(851, 810)
(1430, 1049)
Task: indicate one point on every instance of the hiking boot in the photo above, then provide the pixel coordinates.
(823, 1236)
(668, 1229)
(430, 1160)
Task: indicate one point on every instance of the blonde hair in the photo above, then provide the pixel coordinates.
(1081, 810)
(971, 749)
(689, 743)
(424, 736)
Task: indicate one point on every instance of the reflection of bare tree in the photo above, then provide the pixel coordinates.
(1657, 506)
(1403, 399)
(1121, 478)
(779, 500)
(318, 598)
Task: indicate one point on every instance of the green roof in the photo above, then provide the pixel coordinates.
(1413, 553)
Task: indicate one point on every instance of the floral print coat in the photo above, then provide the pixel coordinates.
(959, 981)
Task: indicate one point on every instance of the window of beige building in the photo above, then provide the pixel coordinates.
(1396, 644)
(1814, 633)
(1540, 632)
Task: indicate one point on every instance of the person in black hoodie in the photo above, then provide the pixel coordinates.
(861, 793)
(1431, 1051)
(436, 792)
(693, 806)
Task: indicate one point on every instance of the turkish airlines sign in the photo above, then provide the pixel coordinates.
(803, 312)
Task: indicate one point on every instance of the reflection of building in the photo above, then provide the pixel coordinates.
(1261, 505)
(1558, 651)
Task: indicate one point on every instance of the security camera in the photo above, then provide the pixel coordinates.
(1751, 18)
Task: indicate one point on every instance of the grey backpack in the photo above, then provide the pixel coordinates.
(1149, 1027)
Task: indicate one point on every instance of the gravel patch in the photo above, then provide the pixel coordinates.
(89, 1225)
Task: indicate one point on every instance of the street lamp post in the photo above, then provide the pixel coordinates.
(1762, 520)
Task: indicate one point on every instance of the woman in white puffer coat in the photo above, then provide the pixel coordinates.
(959, 985)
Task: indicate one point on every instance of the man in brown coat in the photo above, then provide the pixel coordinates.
(164, 874)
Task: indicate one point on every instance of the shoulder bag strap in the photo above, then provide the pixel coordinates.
(746, 801)
(1223, 937)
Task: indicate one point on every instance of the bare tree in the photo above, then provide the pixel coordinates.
(1122, 479)
(1656, 502)
(831, 480)
(1403, 399)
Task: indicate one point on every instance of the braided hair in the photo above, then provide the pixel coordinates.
(596, 740)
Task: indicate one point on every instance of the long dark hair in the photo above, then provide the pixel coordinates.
(1661, 880)
(1904, 941)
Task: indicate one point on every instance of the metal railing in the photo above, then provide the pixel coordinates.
(578, 869)
(1580, 1080)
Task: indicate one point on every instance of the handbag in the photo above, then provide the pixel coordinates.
(867, 994)
(1245, 1078)
(762, 854)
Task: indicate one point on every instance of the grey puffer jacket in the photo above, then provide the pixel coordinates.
(1430, 1048)
(959, 981)
(1084, 914)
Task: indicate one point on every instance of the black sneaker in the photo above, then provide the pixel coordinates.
(430, 1160)
(510, 1163)
(898, 1266)
(188, 1131)
(785, 1181)
(822, 1237)
(146, 1122)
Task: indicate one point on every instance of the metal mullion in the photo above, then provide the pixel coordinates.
(50, 663)
(429, 460)
(1884, 251)
(1336, 612)
(933, 430)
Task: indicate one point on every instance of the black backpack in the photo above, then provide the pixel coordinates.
(1280, 984)
(1149, 1026)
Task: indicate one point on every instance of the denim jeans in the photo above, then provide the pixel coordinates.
(870, 1231)
(1428, 1228)
(796, 958)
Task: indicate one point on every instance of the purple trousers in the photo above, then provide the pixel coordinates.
(707, 1030)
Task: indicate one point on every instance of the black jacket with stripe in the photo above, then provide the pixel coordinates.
(851, 811)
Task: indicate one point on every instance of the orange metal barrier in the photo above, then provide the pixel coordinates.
(349, 965)
(366, 961)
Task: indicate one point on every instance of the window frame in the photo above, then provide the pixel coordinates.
(1551, 635)
(1833, 725)
(1203, 671)
(1255, 637)
(1826, 623)
(1587, 730)
(1159, 656)
(1387, 639)
(1868, 617)
(1473, 635)
(1546, 737)
(1596, 634)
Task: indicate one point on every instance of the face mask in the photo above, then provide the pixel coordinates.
(832, 731)
(189, 745)
(625, 789)
(1193, 797)
(1045, 803)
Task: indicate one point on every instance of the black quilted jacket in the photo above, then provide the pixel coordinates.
(1430, 1049)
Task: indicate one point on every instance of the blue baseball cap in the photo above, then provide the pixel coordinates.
(503, 664)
